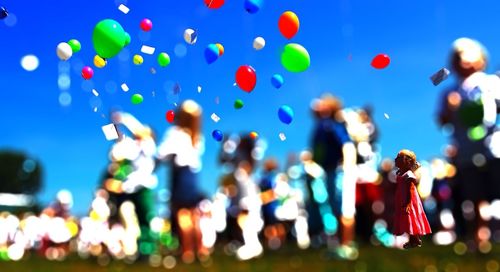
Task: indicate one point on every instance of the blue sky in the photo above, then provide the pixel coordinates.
(341, 36)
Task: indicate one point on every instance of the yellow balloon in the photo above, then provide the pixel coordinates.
(221, 49)
(99, 62)
(138, 60)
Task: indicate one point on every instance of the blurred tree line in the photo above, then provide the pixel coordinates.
(19, 175)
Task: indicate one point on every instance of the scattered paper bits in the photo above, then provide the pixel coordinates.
(110, 132)
(123, 8)
(215, 117)
(125, 87)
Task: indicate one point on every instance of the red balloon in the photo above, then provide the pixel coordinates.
(246, 78)
(87, 73)
(381, 61)
(214, 4)
(146, 24)
(288, 24)
(170, 116)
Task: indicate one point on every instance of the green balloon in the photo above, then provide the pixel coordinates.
(127, 39)
(163, 59)
(136, 99)
(75, 45)
(238, 104)
(108, 38)
(295, 58)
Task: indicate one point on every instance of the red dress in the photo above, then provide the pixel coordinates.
(414, 223)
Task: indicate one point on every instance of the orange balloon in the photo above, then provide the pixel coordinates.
(221, 48)
(288, 24)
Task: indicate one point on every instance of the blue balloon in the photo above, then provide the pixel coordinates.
(211, 53)
(285, 113)
(217, 135)
(277, 81)
(3, 13)
(252, 6)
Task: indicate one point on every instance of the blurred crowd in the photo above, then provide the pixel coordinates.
(336, 195)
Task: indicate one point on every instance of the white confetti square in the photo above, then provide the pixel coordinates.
(282, 136)
(147, 50)
(123, 8)
(110, 132)
(386, 116)
(215, 117)
(94, 91)
(199, 89)
(125, 87)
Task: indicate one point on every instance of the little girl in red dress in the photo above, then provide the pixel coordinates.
(409, 216)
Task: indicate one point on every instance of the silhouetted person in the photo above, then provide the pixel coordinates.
(183, 146)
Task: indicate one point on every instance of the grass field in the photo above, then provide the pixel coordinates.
(430, 258)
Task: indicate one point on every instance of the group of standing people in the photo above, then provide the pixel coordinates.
(343, 154)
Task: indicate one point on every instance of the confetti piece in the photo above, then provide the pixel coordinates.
(282, 136)
(215, 117)
(199, 89)
(234, 84)
(217, 100)
(440, 76)
(153, 93)
(110, 132)
(386, 116)
(147, 50)
(123, 8)
(153, 70)
(95, 109)
(125, 87)
(95, 92)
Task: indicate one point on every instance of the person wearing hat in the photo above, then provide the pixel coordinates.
(469, 111)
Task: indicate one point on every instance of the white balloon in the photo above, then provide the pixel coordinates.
(190, 36)
(29, 63)
(259, 43)
(64, 51)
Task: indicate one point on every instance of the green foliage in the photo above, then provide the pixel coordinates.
(19, 174)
